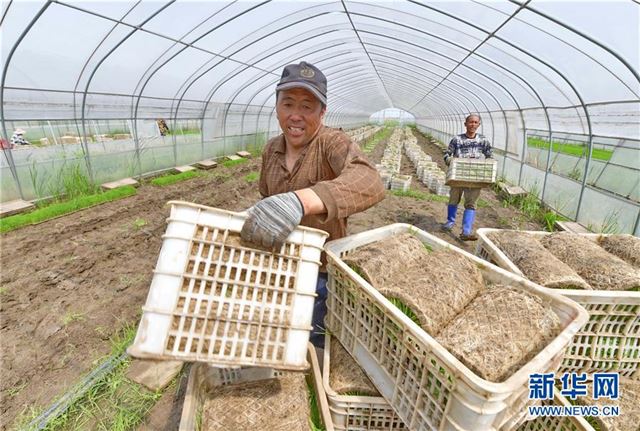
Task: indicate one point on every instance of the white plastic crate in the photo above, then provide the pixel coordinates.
(213, 299)
(386, 176)
(435, 179)
(427, 174)
(401, 182)
(556, 423)
(426, 385)
(442, 190)
(357, 413)
(203, 379)
(611, 338)
(465, 172)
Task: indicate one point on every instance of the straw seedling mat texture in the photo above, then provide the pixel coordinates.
(275, 405)
(629, 402)
(345, 375)
(602, 270)
(536, 262)
(626, 247)
(500, 331)
(435, 285)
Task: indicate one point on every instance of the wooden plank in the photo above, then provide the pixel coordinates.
(245, 154)
(511, 191)
(153, 374)
(185, 168)
(15, 207)
(191, 402)
(206, 164)
(571, 226)
(233, 157)
(120, 183)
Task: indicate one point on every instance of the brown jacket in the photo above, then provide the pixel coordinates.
(334, 168)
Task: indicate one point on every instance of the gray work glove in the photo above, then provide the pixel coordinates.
(272, 219)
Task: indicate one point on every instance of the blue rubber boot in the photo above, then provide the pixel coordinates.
(468, 217)
(451, 218)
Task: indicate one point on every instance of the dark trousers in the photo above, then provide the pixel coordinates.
(319, 311)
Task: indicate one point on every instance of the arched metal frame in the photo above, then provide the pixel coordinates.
(443, 97)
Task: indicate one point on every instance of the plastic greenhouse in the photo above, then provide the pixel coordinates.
(541, 71)
(536, 72)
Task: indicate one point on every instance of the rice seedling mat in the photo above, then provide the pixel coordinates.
(424, 383)
(610, 340)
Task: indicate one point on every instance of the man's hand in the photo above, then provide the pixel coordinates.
(272, 219)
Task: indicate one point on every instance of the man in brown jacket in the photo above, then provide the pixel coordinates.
(311, 175)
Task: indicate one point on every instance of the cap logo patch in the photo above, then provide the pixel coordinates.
(307, 73)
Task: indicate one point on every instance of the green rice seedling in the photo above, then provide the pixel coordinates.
(252, 177)
(590, 419)
(232, 163)
(413, 231)
(139, 222)
(405, 309)
(358, 271)
(610, 224)
(112, 403)
(410, 193)
(593, 422)
(437, 198)
(314, 420)
(71, 317)
(577, 149)
(530, 205)
(575, 174)
(221, 175)
(550, 218)
(166, 180)
(60, 208)
(15, 390)
(76, 183)
(37, 182)
(378, 137)
(356, 394)
(199, 415)
(483, 204)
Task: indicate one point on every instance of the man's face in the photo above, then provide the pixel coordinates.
(300, 115)
(472, 125)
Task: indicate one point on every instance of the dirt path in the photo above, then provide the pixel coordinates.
(70, 283)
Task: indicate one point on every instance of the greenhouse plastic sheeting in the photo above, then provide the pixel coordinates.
(556, 83)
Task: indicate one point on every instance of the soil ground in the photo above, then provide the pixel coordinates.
(67, 285)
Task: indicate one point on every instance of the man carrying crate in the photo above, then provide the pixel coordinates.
(311, 175)
(466, 145)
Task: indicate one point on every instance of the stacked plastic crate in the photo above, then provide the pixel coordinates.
(389, 166)
(426, 387)
(362, 133)
(609, 341)
(427, 170)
